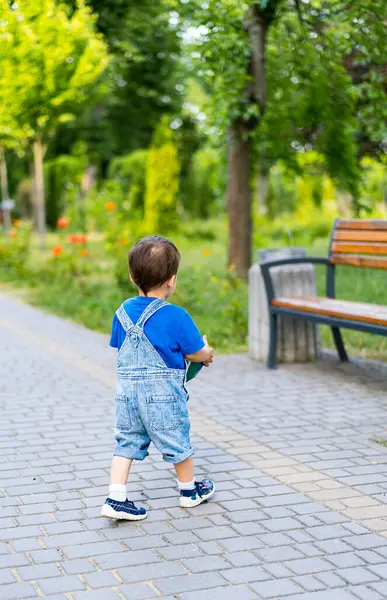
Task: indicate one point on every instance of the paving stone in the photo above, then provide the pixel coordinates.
(210, 548)
(101, 580)
(371, 557)
(325, 595)
(330, 580)
(17, 591)
(6, 576)
(26, 545)
(212, 533)
(280, 554)
(66, 583)
(126, 559)
(205, 564)
(248, 529)
(242, 559)
(78, 566)
(365, 593)
(187, 583)
(275, 539)
(279, 525)
(44, 556)
(104, 594)
(87, 550)
(308, 566)
(366, 542)
(231, 592)
(38, 572)
(17, 533)
(13, 560)
(246, 574)
(277, 571)
(327, 532)
(182, 551)
(275, 589)
(157, 571)
(309, 583)
(357, 575)
(242, 543)
(345, 560)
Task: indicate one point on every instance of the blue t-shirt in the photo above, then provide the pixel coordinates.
(171, 331)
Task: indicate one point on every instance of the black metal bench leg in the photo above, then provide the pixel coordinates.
(339, 344)
(272, 358)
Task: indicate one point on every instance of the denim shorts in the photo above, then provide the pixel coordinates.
(159, 418)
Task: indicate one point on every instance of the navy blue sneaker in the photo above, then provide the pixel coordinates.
(112, 509)
(202, 491)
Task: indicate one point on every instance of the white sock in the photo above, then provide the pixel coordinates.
(117, 492)
(186, 486)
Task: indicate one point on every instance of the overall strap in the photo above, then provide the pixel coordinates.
(150, 310)
(124, 319)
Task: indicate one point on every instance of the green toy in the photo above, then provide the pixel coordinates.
(192, 370)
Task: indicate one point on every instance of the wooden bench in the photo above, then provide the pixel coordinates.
(354, 243)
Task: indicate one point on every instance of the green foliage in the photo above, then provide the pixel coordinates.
(63, 176)
(71, 265)
(50, 63)
(373, 189)
(162, 182)
(15, 249)
(129, 171)
(145, 76)
(205, 185)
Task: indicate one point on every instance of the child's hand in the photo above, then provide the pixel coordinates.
(209, 352)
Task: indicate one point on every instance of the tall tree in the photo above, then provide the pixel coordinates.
(279, 88)
(56, 58)
(145, 48)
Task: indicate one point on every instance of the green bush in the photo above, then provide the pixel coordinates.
(63, 176)
(129, 171)
(205, 185)
(162, 182)
(15, 249)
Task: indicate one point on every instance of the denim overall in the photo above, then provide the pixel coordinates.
(151, 399)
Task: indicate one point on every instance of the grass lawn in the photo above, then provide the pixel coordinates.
(214, 297)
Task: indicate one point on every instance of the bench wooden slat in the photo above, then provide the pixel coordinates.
(351, 260)
(358, 248)
(354, 235)
(370, 224)
(341, 309)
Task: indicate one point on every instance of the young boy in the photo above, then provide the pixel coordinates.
(153, 339)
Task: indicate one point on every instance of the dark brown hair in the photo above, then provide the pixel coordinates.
(152, 262)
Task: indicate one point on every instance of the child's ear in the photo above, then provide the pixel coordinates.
(172, 282)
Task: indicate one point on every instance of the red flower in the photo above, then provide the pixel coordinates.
(82, 239)
(12, 233)
(110, 206)
(84, 252)
(73, 239)
(57, 250)
(62, 223)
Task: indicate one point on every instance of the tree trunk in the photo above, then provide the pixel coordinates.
(257, 29)
(38, 151)
(239, 190)
(4, 191)
(239, 200)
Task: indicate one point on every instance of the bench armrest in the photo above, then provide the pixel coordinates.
(270, 264)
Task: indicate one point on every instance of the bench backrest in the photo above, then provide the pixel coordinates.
(359, 243)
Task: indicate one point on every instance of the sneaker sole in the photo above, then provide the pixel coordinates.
(109, 513)
(188, 503)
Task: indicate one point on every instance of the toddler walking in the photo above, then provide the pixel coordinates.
(154, 340)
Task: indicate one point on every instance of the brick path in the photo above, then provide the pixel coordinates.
(301, 511)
